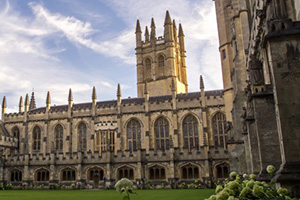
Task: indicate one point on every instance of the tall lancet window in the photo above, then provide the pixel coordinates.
(36, 137)
(133, 134)
(16, 134)
(161, 64)
(82, 136)
(219, 125)
(190, 132)
(161, 130)
(59, 137)
(147, 68)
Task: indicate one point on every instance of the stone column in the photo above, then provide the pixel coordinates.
(284, 60)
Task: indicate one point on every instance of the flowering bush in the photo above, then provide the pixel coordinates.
(125, 186)
(248, 188)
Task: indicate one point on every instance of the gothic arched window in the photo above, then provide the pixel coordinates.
(15, 175)
(36, 137)
(222, 170)
(133, 134)
(68, 175)
(147, 68)
(82, 136)
(96, 173)
(161, 61)
(157, 173)
(219, 126)
(125, 172)
(161, 64)
(16, 134)
(42, 175)
(190, 132)
(59, 137)
(190, 172)
(161, 131)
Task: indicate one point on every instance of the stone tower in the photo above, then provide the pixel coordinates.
(161, 59)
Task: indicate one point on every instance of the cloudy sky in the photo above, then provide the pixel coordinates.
(60, 44)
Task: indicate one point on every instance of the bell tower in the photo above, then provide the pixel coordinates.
(161, 60)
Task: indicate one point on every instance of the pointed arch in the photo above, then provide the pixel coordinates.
(82, 136)
(147, 66)
(161, 65)
(218, 129)
(68, 174)
(157, 172)
(16, 175)
(133, 130)
(190, 130)
(125, 171)
(58, 137)
(41, 175)
(221, 170)
(162, 134)
(190, 171)
(36, 138)
(15, 132)
(95, 171)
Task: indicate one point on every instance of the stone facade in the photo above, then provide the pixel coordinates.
(164, 136)
(261, 40)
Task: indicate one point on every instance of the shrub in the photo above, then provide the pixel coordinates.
(73, 186)
(9, 186)
(148, 185)
(183, 185)
(249, 189)
(42, 186)
(125, 186)
(1, 186)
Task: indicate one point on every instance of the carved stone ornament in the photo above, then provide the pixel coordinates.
(276, 9)
(255, 71)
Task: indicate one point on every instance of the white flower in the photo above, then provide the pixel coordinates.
(124, 185)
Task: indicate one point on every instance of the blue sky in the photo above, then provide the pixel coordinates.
(54, 45)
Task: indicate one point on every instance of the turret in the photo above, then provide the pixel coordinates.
(94, 101)
(21, 104)
(203, 99)
(26, 103)
(168, 32)
(138, 34)
(70, 102)
(173, 89)
(48, 101)
(146, 93)
(4, 106)
(146, 34)
(32, 102)
(181, 40)
(119, 100)
(174, 31)
(153, 31)
(94, 96)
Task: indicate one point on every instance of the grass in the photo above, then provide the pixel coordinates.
(190, 194)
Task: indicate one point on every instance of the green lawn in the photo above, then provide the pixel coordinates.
(190, 194)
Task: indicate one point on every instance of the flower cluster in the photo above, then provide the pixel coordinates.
(125, 186)
(248, 187)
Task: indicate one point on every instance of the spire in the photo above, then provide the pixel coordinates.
(152, 23)
(146, 88)
(32, 102)
(146, 34)
(138, 27)
(26, 102)
(173, 86)
(70, 98)
(180, 32)
(119, 91)
(153, 32)
(48, 100)
(168, 18)
(201, 83)
(21, 104)
(174, 30)
(4, 105)
(94, 95)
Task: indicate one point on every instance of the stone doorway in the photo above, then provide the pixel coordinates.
(96, 175)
